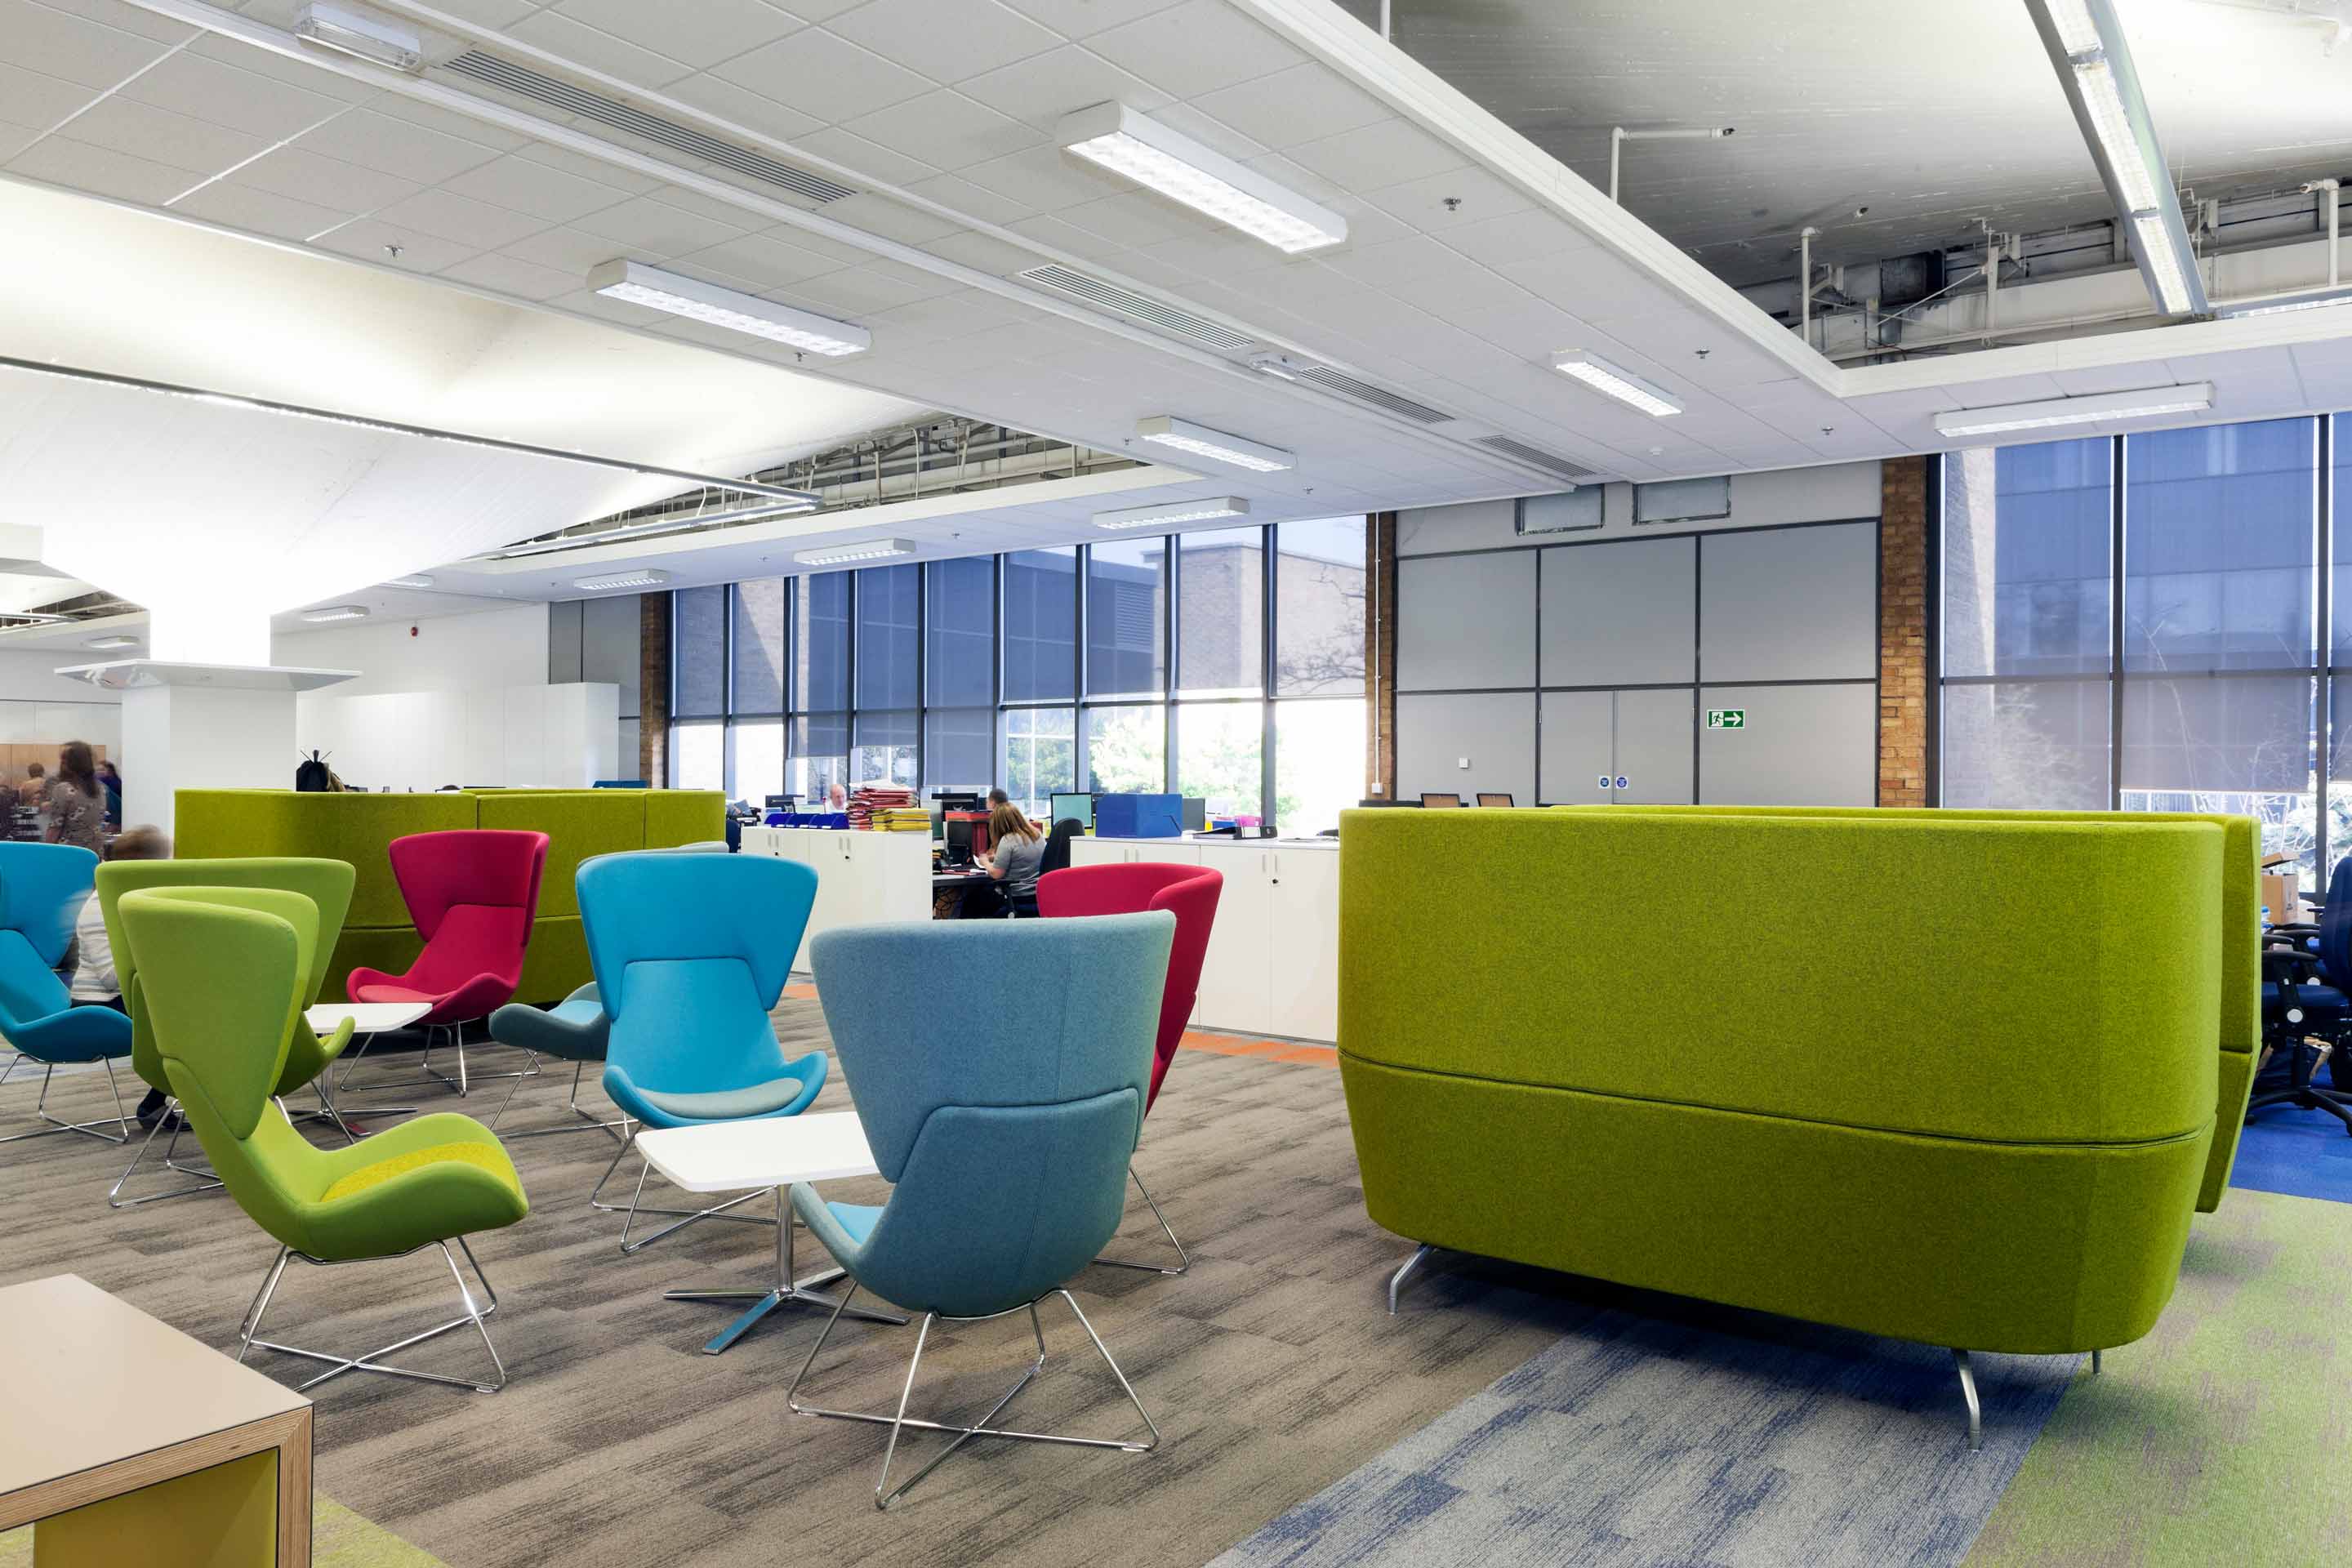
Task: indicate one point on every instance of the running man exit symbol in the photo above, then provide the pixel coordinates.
(1727, 718)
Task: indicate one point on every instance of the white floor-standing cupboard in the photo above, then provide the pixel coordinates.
(1273, 964)
(861, 877)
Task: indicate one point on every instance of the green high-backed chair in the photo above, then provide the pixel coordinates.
(222, 975)
(327, 885)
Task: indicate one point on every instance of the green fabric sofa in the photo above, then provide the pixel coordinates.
(2239, 1031)
(1942, 1079)
(358, 828)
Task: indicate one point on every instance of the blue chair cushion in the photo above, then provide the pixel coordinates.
(574, 1030)
(728, 1104)
(2315, 998)
(87, 1033)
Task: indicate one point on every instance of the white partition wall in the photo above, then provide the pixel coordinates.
(517, 737)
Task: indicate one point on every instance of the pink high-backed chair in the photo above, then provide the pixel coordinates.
(472, 893)
(1188, 892)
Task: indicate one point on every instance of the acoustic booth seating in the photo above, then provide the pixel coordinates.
(360, 828)
(1188, 892)
(1938, 1077)
(2236, 917)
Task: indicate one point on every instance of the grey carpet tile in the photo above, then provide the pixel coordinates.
(1662, 1433)
(1272, 1368)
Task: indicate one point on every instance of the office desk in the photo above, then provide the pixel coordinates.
(128, 1441)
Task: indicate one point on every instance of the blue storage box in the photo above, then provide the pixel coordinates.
(1139, 816)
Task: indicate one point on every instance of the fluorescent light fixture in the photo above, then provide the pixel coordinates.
(418, 581)
(697, 301)
(1166, 430)
(637, 577)
(1615, 381)
(2278, 304)
(1174, 512)
(1282, 367)
(114, 642)
(2192, 397)
(337, 613)
(2111, 125)
(2168, 279)
(1168, 161)
(855, 550)
(362, 33)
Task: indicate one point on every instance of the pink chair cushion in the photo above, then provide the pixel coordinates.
(1189, 892)
(472, 893)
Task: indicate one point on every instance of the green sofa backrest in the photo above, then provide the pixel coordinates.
(360, 828)
(2237, 917)
(1943, 1078)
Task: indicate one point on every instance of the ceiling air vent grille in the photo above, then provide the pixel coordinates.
(1347, 386)
(1127, 303)
(546, 90)
(1512, 446)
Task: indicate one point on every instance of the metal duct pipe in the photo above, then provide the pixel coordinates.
(1619, 136)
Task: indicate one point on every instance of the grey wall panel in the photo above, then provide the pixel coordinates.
(1497, 731)
(1577, 747)
(1466, 621)
(608, 646)
(1801, 746)
(1619, 615)
(563, 642)
(1791, 604)
(1654, 746)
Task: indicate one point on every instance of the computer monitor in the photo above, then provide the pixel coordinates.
(1489, 797)
(1429, 797)
(1080, 805)
(957, 832)
(1195, 810)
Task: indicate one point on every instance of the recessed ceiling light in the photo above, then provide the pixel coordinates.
(2193, 397)
(337, 613)
(1174, 512)
(1615, 381)
(738, 312)
(418, 581)
(362, 33)
(856, 550)
(1166, 430)
(638, 577)
(113, 642)
(1180, 168)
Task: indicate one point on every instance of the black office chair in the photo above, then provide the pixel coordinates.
(2307, 1008)
(1056, 858)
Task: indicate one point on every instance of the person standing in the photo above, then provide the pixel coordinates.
(110, 779)
(77, 804)
(35, 785)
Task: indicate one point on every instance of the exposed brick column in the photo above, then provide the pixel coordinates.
(1903, 694)
(1380, 653)
(652, 690)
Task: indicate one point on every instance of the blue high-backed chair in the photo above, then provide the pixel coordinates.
(42, 887)
(690, 951)
(1006, 1125)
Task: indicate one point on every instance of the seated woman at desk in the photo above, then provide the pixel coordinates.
(1016, 850)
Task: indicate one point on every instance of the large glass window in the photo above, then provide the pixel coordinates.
(1318, 609)
(821, 644)
(1041, 670)
(1041, 626)
(2221, 701)
(960, 632)
(1220, 755)
(1040, 755)
(1127, 749)
(758, 651)
(888, 636)
(1126, 611)
(1221, 614)
(698, 654)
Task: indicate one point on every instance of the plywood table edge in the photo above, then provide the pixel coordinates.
(289, 1433)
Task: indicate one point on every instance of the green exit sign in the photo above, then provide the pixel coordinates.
(1727, 718)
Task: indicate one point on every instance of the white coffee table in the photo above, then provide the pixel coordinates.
(369, 1019)
(778, 1153)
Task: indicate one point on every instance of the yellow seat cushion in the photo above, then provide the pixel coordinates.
(488, 1156)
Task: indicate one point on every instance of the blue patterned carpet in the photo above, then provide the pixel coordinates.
(1670, 1434)
(2305, 1153)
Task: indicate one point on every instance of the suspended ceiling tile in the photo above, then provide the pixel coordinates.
(476, 226)
(1056, 235)
(523, 185)
(960, 195)
(62, 160)
(1303, 103)
(944, 130)
(1195, 47)
(1083, 18)
(878, 164)
(702, 34)
(322, 181)
(655, 227)
(51, 43)
(34, 102)
(1475, 195)
(947, 40)
(370, 240)
(1045, 178)
(767, 260)
(825, 76)
(1515, 237)
(244, 101)
(258, 212)
(756, 112)
(1378, 155)
(509, 275)
(1038, 92)
(378, 141)
(572, 40)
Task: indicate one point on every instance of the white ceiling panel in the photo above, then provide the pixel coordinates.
(257, 211)
(324, 182)
(1083, 18)
(476, 226)
(1303, 103)
(207, 89)
(945, 130)
(1038, 92)
(61, 160)
(367, 239)
(822, 74)
(947, 40)
(599, 50)
(375, 139)
(877, 163)
(524, 185)
(51, 43)
(702, 35)
(31, 100)
(1195, 47)
(643, 223)
(739, 105)
(508, 275)
(1376, 155)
